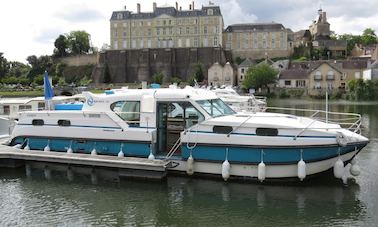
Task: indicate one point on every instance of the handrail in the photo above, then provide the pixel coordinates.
(237, 127)
(350, 121)
(173, 149)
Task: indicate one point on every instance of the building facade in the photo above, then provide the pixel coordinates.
(219, 75)
(242, 70)
(256, 41)
(166, 27)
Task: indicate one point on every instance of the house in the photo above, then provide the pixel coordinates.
(371, 73)
(293, 78)
(243, 68)
(219, 75)
(325, 76)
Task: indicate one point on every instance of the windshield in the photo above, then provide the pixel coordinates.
(215, 107)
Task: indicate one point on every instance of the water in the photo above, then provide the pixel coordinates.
(54, 195)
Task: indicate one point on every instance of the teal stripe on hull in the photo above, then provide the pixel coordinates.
(270, 156)
(86, 146)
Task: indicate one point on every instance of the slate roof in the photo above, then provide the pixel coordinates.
(289, 74)
(247, 63)
(254, 27)
(171, 11)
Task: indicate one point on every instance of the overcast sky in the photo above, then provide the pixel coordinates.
(31, 27)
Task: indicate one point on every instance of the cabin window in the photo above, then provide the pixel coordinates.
(24, 107)
(183, 114)
(37, 122)
(266, 131)
(129, 111)
(222, 129)
(64, 123)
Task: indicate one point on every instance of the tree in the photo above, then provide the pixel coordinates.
(198, 72)
(18, 69)
(260, 76)
(79, 42)
(107, 76)
(369, 37)
(61, 46)
(39, 65)
(4, 67)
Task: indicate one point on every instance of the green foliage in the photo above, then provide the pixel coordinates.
(78, 42)
(61, 46)
(239, 60)
(59, 69)
(39, 65)
(84, 81)
(176, 80)
(38, 80)
(198, 72)
(363, 90)
(18, 69)
(301, 51)
(4, 67)
(107, 76)
(260, 76)
(158, 78)
(62, 81)
(368, 37)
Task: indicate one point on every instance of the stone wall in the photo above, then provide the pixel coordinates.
(80, 60)
(128, 66)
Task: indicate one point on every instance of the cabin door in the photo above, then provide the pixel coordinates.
(172, 119)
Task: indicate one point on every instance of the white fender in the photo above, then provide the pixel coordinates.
(226, 170)
(121, 154)
(27, 147)
(301, 170)
(47, 148)
(190, 165)
(261, 171)
(94, 152)
(355, 169)
(338, 169)
(69, 150)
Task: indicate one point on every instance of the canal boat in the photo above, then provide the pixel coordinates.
(241, 103)
(197, 132)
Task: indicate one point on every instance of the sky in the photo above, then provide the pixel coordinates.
(31, 27)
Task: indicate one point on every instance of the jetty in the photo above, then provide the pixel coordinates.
(127, 166)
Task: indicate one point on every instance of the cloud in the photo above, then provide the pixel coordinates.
(79, 13)
(48, 35)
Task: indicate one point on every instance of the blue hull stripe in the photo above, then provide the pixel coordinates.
(252, 134)
(270, 156)
(82, 126)
(86, 146)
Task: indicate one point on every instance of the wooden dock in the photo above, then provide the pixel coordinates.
(128, 166)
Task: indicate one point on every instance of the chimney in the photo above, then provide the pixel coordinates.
(138, 8)
(192, 5)
(154, 6)
(176, 6)
(320, 12)
(124, 7)
(324, 17)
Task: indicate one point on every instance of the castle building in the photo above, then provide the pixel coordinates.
(258, 40)
(166, 27)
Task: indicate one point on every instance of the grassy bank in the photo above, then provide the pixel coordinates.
(10, 94)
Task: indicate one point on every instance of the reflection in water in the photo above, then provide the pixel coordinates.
(100, 197)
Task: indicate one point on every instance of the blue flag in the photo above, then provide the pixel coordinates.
(49, 93)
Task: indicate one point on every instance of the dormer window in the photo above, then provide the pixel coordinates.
(119, 16)
(210, 12)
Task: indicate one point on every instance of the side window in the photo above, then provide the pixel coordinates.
(266, 131)
(184, 112)
(38, 122)
(129, 111)
(222, 129)
(64, 123)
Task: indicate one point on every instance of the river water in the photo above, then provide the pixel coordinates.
(57, 196)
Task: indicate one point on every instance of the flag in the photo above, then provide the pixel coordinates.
(48, 91)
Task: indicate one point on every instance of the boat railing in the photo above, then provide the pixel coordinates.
(350, 121)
